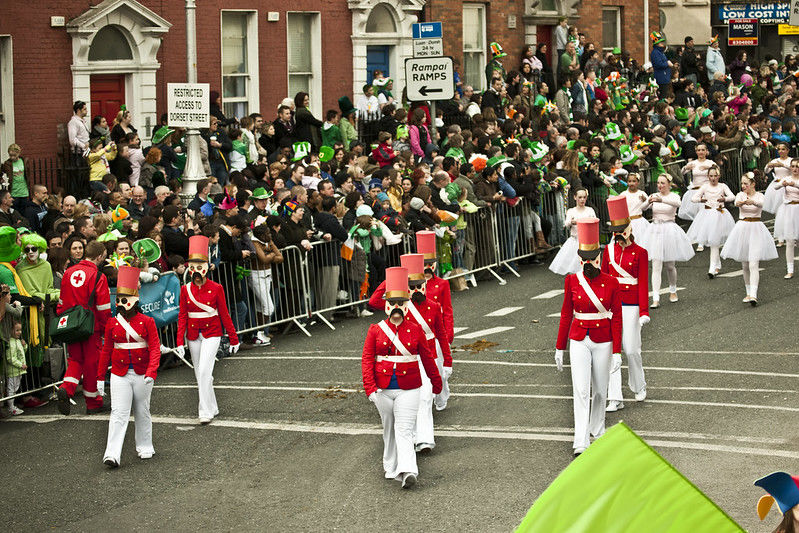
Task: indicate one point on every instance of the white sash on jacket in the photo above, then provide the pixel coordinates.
(207, 310)
(139, 342)
(625, 277)
(401, 348)
(428, 333)
(602, 310)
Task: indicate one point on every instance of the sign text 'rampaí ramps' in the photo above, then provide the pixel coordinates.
(429, 78)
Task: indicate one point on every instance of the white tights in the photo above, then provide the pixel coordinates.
(715, 259)
(751, 277)
(789, 247)
(671, 272)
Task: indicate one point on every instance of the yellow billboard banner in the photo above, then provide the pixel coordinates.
(787, 29)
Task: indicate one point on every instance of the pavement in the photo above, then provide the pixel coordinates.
(297, 445)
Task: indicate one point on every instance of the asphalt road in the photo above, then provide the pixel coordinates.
(297, 445)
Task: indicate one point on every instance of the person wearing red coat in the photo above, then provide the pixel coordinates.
(590, 320)
(392, 377)
(203, 313)
(133, 349)
(427, 314)
(80, 283)
(629, 264)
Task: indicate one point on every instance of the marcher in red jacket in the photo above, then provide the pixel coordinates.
(591, 319)
(629, 264)
(203, 313)
(392, 377)
(80, 283)
(132, 346)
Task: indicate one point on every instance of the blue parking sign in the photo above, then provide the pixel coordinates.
(427, 30)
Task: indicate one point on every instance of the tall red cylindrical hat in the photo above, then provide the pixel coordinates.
(198, 248)
(426, 245)
(397, 284)
(618, 213)
(128, 281)
(415, 265)
(588, 237)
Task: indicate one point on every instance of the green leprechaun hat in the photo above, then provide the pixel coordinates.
(627, 154)
(612, 132)
(496, 51)
(301, 149)
(9, 249)
(147, 249)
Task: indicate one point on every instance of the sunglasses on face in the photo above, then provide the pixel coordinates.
(30, 249)
(5, 293)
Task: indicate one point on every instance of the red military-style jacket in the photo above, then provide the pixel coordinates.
(434, 318)
(193, 320)
(377, 371)
(635, 261)
(76, 288)
(124, 351)
(437, 290)
(575, 300)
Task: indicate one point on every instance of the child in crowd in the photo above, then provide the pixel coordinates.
(177, 265)
(456, 148)
(311, 178)
(238, 156)
(384, 154)
(98, 159)
(388, 215)
(15, 365)
(331, 134)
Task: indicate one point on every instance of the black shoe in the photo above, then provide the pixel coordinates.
(63, 402)
(711, 275)
(753, 302)
(105, 408)
(110, 463)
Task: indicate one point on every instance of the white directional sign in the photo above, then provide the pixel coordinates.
(429, 78)
(188, 105)
(428, 47)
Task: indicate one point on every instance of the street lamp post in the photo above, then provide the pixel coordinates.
(193, 171)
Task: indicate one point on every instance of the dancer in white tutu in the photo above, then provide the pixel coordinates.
(664, 240)
(786, 225)
(567, 261)
(750, 241)
(636, 200)
(714, 223)
(775, 198)
(699, 168)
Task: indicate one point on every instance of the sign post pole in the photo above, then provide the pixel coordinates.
(428, 44)
(193, 171)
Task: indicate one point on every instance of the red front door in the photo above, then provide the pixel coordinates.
(108, 94)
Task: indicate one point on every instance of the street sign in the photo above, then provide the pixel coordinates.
(428, 47)
(188, 105)
(429, 78)
(427, 30)
(793, 20)
(742, 32)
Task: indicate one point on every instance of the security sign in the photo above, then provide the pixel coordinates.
(429, 78)
(742, 32)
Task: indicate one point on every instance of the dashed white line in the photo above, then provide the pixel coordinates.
(665, 290)
(547, 295)
(459, 329)
(483, 332)
(735, 273)
(504, 311)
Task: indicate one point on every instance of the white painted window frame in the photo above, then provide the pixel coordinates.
(315, 86)
(617, 10)
(481, 8)
(253, 97)
(7, 129)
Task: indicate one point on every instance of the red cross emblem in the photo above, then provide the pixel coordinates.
(78, 278)
(62, 322)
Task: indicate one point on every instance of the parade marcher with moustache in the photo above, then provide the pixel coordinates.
(590, 320)
(133, 349)
(427, 314)
(629, 264)
(392, 380)
(203, 314)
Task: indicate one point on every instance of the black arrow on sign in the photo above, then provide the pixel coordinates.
(424, 91)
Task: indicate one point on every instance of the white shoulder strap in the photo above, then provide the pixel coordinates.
(428, 333)
(612, 258)
(394, 338)
(206, 308)
(591, 294)
(129, 329)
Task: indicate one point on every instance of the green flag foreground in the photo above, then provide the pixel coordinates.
(621, 484)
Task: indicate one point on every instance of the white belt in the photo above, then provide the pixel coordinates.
(129, 345)
(628, 281)
(592, 316)
(397, 358)
(203, 314)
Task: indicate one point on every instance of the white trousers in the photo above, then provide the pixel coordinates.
(590, 366)
(657, 270)
(398, 409)
(203, 355)
(126, 391)
(424, 418)
(631, 344)
(442, 398)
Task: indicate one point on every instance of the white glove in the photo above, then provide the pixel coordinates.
(234, 348)
(148, 380)
(165, 349)
(447, 372)
(559, 360)
(643, 320)
(615, 363)
(373, 397)
(180, 351)
(101, 387)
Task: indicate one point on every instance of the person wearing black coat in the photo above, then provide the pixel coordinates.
(176, 242)
(307, 129)
(232, 254)
(215, 110)
(219, 146)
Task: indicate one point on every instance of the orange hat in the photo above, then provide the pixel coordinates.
(415, 265)
(397, 284)
(588, 237)
(128, 281)
(618, 213)
(198, 249)
(426, 245)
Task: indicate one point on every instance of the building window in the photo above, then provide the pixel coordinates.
(304, 56)
(239, 62)
(6, 94)
(474, 46)
(611, 28)
(547, 5)
(109, 44)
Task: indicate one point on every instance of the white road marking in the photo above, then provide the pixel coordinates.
(272, 355)
(363, 429)
(483, 332)
(547, 295)
(735, 273)
(554, 315)
(459, 329)
(504, 311)
(665, 290)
